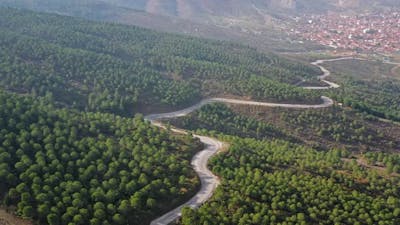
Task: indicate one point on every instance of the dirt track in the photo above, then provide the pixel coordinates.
(209, 181)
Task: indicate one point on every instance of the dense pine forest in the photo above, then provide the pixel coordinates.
(65, 159)
(272, 175)
(61, 166)
(121, 69)
(275, 182)
(74, 148)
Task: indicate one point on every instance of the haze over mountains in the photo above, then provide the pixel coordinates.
(254, 22)
(205, 10)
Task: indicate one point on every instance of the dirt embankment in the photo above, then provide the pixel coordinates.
(10, 219)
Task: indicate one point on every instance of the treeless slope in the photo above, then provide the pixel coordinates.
(163, 7)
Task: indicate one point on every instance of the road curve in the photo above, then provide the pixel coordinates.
(209, 181)
(326, 73)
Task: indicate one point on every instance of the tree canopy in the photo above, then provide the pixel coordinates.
(61, 166)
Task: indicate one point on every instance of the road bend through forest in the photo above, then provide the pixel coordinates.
(209, 181)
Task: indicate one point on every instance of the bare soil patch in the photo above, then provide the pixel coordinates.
(10, 219)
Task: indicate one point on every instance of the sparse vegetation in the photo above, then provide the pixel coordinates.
(334, 127)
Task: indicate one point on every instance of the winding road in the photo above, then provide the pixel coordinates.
(209, 181)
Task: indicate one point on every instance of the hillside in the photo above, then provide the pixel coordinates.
(258, 23)
(210, 9)
(275, 182)
(75, 149)
(125, 70)
(61, 166)
(66, 154)
(132, 13)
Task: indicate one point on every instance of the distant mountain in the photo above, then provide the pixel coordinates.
(206, 11)
(247, 25)
(193, 9)
(320, 6)
(255, 22)
(201, 9)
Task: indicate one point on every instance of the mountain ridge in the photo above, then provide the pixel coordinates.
(258, 23)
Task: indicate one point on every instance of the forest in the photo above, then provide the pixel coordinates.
(218, 118)
(368, 86)
(334, 127)
(103, 67)
(75, 150)
(272, 175)
(71, 151)
(377, 98)
(276, 182)
(60, 166)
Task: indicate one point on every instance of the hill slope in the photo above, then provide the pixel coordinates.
(121, 69)
(259, 23)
